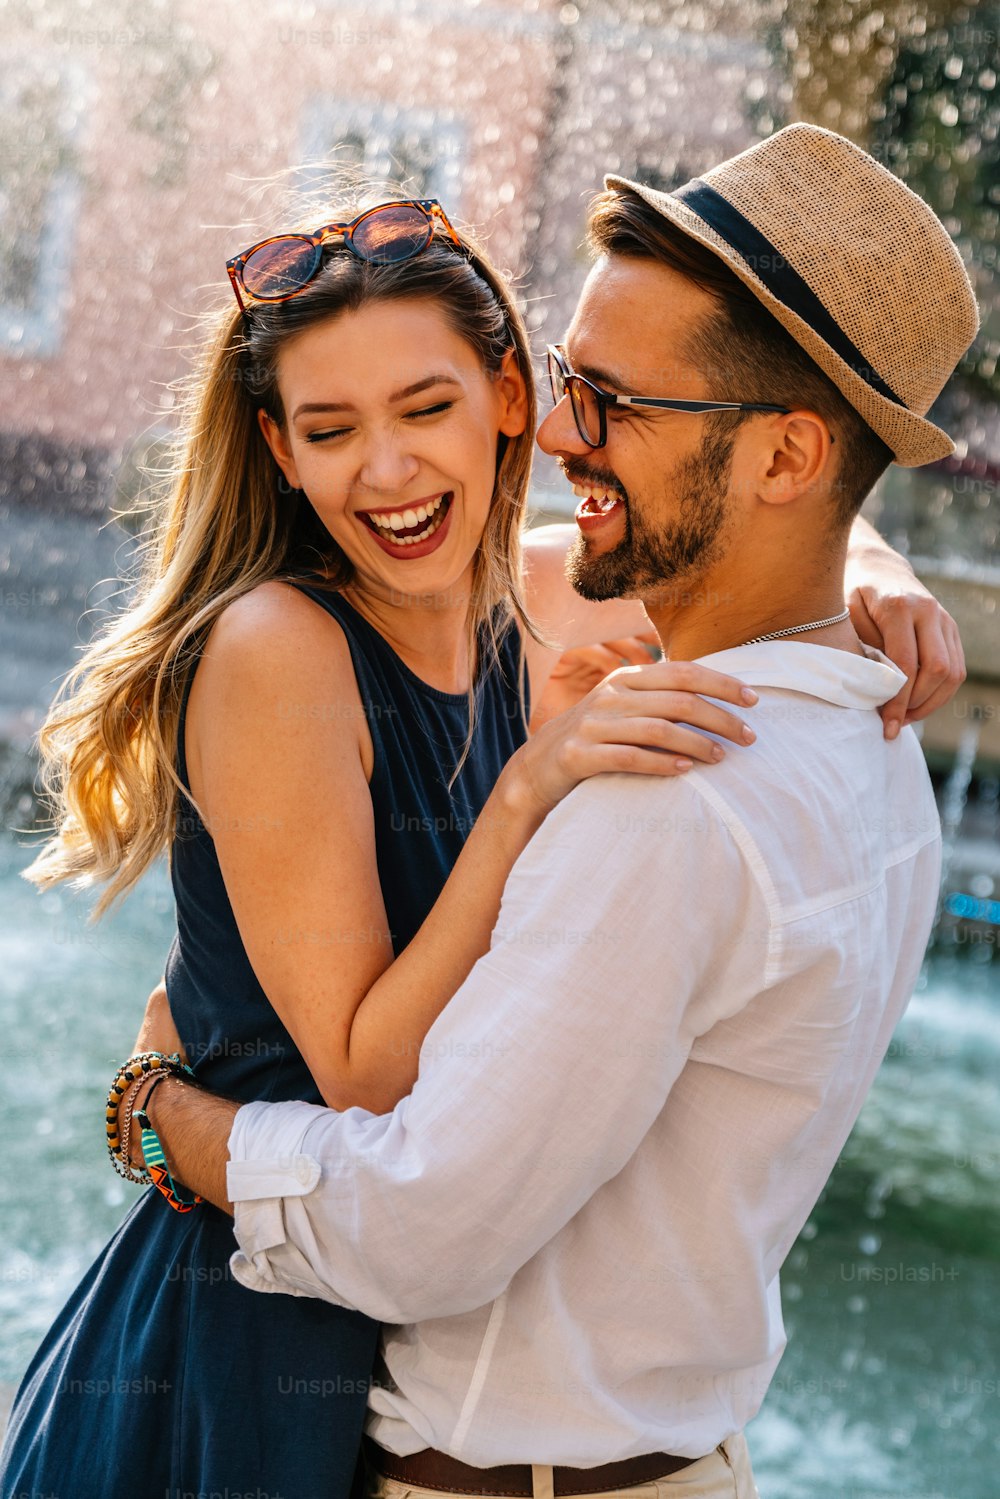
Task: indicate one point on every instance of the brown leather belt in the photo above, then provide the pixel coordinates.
(429, 1469)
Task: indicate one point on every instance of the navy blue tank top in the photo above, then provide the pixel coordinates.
(417, 733)
(159, 1305)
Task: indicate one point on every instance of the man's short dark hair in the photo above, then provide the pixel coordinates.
(743, 351)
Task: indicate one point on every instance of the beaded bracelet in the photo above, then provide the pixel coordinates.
(122, 1160)
(156, 1161)
(133, 1071)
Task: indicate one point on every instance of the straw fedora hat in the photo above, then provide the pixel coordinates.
(853, 264)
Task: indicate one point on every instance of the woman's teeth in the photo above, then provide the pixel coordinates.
(428, 517)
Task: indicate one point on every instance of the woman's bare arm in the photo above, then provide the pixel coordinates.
(561, 616)
(890, 609)
(277, 751)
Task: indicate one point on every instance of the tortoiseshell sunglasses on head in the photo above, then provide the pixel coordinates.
(281, 267)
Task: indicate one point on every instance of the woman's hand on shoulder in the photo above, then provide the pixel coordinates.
(583, 668)
(645, 720)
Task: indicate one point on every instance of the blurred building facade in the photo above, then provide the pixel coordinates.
(136, 154)
(138, 149)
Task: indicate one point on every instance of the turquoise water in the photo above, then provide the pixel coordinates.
(890, 1385)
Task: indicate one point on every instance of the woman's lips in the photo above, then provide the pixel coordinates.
(416, 540)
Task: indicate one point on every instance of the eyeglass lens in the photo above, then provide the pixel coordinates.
(586, 408)
(386, 236)
(281, 267)
(392, 234)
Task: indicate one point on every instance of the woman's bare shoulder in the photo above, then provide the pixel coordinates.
(275, 656)
(272, 604)
(276, 627)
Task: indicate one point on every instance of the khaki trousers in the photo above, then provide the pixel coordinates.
(723, 1474)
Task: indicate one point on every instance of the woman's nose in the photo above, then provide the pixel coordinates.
(388, 465)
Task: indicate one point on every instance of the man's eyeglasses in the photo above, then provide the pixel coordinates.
(590, 403)
(281, 267)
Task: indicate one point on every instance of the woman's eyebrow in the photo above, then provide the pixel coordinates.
(419, 385)
(397, 395)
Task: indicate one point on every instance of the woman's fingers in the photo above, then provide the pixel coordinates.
(687, 676)
(864, 626)
(662, 707)
(922, 639)
(920, 707)
(941, 669)
(662, 736)
(645, 720)
(606, 657)
(600, 659)
(576, 673)
(634, 759)
(631, 650)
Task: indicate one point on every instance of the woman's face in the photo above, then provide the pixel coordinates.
(391, 428)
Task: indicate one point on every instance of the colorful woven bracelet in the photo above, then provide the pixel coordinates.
(137, 1067)
(156, 1161)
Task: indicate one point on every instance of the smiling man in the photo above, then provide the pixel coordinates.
(575, 1222)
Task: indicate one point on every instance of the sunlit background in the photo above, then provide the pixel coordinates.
(138, 148)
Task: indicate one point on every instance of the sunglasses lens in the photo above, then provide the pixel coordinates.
(280, 267)
(393, 233)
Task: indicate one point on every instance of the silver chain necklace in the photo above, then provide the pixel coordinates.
(817, 624)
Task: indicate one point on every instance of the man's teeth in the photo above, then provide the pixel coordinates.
(595, 492)
(399, 520)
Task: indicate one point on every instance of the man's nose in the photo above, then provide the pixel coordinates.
(557, 433)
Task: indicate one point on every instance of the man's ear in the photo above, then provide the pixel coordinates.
(513, 394)
(277, 440)
(796, 456)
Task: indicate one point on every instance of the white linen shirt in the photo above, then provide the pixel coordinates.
(623, 1118)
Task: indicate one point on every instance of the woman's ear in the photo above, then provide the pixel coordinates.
(513, 394)
(277, 440)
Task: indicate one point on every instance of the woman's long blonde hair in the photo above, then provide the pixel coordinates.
(228, 523)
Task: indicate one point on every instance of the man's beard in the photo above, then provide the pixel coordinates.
(649, 557)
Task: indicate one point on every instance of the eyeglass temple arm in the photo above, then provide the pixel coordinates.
(435, 210)
(234, 279)
(695, 406)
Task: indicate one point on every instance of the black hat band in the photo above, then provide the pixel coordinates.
(781, 279)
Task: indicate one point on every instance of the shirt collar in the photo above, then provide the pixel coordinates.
(838, 677)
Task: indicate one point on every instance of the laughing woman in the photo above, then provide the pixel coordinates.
(317, 704)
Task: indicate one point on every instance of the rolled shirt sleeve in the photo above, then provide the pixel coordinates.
(538, 1080)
